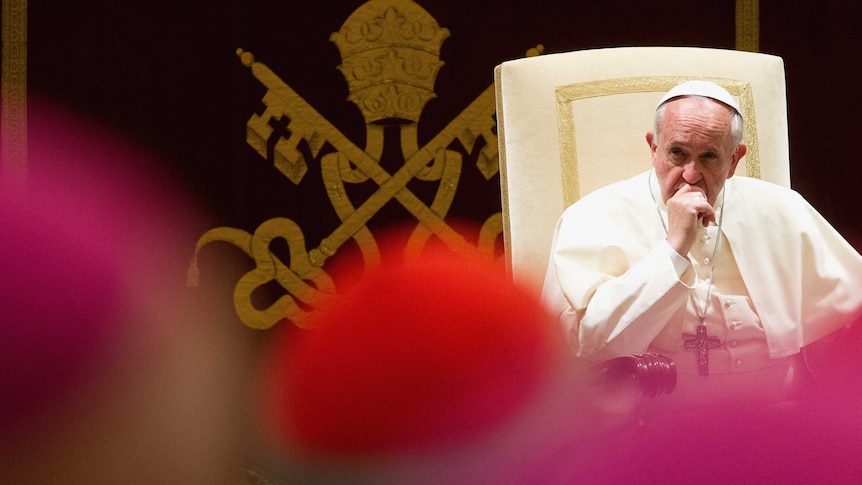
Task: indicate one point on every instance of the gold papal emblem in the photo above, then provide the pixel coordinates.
(390, 52)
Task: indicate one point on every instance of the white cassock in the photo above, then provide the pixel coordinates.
(783, 277)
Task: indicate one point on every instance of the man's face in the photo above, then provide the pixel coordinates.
(694, 146)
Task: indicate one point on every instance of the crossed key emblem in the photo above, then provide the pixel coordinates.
(303, 278)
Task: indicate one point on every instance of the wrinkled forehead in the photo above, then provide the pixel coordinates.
(699, 120)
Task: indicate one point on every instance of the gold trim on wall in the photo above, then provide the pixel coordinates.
(13, 94)
(566, 95)
(748, 25)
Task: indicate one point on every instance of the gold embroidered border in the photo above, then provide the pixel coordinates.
(566, 95)
(748, 25)
(13, 95)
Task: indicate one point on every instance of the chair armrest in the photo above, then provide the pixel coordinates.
(651, 373)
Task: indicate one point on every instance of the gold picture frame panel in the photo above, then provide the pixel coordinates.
(647, 89)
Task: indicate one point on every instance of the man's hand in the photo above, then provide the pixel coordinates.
(685, 210)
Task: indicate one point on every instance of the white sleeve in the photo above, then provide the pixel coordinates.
(613, 293)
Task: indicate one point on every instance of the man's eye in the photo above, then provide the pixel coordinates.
(709, 158)
(676, 155)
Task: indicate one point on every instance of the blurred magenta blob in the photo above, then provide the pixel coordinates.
(422, 354)
(84, 243)
(59, 302)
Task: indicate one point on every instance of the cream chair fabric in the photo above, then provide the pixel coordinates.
(572, 122)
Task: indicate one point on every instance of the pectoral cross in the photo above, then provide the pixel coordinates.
(701, 344)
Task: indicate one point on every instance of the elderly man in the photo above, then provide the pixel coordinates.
(729, 276)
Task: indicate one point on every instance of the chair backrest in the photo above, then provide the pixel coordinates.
(572, 122)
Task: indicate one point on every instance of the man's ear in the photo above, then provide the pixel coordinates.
(650, 136)
(737, 156)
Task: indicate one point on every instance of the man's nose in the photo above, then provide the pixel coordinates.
(691, 171)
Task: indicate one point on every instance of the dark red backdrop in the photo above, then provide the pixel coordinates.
(166, 73)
